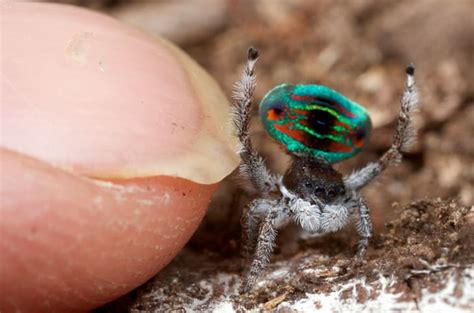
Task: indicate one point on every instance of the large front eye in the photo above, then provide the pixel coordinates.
(275, 112)
(319, 191)
(332, 193)
(308, 185)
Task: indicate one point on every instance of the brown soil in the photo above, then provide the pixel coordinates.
(416, 250)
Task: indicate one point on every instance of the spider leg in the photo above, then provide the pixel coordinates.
(364, 228)
(252, 166)
(335, 216)
(252, 216)
(265, 243)
(402, 140)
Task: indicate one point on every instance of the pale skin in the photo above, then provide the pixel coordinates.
(311, 193)
(70, 239)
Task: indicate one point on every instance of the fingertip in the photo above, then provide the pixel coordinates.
(68, 243)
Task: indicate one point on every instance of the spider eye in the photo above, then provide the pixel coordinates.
(308, 185)
(319, 190)
(332, 193)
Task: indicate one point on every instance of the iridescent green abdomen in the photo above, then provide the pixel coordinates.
(315, 120)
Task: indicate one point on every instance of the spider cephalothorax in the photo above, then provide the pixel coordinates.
(317, 126)
(313, 179)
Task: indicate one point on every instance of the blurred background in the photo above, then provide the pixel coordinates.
(359, 48)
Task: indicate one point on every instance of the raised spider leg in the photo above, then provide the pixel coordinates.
(402, 140)
(252, 166)
(252, 216)
(265, 242)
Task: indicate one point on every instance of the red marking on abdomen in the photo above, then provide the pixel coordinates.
(338, 107)
(304, 123)
(338, 123)
(339, 147)
(301, 98)
(296, 134)
(273, 116)
(302, 112)
(343, 110)
(358, 142)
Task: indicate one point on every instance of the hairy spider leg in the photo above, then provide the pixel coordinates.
(364, 228)
(252, 166)
(403, 138)
(252, 216)
(265, 243)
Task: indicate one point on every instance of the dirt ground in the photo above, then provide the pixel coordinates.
(427, 246)
(422, 244)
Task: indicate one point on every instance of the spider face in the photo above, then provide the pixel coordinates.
(316, 121)
(314, 180)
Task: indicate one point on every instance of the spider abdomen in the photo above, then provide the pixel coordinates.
(316, 121)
